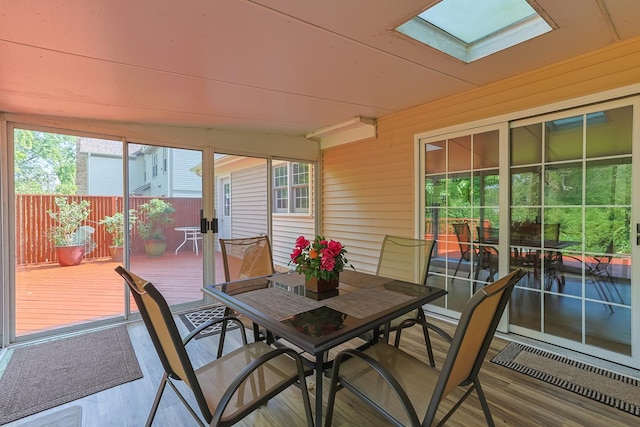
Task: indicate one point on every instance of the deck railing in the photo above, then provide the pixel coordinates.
(33, 224)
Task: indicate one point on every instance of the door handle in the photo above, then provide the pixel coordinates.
(638, 234)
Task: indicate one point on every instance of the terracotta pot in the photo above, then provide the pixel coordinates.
(69, 255)
(116, 253)
(155, 248)
(320, 285)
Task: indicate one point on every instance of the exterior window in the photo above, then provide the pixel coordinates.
(227, 199)
(280, 188)
(164, 160)
(154, 165)
(300, 187)
(291, 188)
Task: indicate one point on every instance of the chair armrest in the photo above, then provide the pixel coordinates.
(251, 367)
(383, 373)
(212, 322)
(410, 322)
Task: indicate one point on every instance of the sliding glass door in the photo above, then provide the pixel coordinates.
(571, 225)
(66, 187)
(552, 195)
(165, 196)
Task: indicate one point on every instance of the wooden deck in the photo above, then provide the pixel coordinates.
(49, 296)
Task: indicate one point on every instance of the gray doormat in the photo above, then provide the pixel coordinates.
(610, 388)
(42, 376)
(193, 319)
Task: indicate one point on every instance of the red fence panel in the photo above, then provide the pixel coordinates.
(33, 224)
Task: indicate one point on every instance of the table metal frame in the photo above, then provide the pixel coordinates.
(191, 233)
(318, 347)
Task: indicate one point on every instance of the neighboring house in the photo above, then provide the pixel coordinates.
(153, 171)
(96, 161)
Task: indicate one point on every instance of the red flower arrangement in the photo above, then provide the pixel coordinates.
(322, 259)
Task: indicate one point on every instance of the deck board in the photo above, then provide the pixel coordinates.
(49, 296)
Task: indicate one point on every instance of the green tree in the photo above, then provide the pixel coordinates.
(44, 162)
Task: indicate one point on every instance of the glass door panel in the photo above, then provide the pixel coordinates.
(65, 188)
(570, 229)
(165, 192)
(462, 188)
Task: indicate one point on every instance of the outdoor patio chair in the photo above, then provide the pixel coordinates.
(228, 388)
(405, 390)
(407, 259)
(598, 271)
(463, 234)
(488, 255)
(245, 258)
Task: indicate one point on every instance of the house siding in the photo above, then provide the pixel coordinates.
(184, 182)
(364, 200)
(249, 202)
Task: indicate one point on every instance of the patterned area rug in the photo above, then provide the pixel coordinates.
(193, 319)
(613, 389)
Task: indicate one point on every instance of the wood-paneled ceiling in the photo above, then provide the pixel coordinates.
(264, 65)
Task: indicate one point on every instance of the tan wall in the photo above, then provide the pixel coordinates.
(368, 185)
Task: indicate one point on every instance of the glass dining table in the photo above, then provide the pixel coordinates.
(319, 322)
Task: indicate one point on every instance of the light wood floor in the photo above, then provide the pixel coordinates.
(515, 399)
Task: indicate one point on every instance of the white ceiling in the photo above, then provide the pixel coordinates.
(265, 65)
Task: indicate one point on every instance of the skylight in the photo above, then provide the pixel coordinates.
(472, 29)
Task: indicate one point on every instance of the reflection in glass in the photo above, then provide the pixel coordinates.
(608, 330)
(609, 182)
(563, 184)
(563, 316)
(460, 153)
(317, 322)
(524, 307)
(486, 150)
(486, 188)
(436, 157)
(526, 145)
(563, 139)
(606, 225)
(570, 223)
(525, 186)
(459, 192)
(435, 190)
(609, 132)
(584, 273)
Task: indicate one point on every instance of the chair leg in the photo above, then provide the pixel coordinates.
(456, 272)
(484, 404)
(331, 398)
(223, 332)
(156, 400)
(427, 338)
(475, 385)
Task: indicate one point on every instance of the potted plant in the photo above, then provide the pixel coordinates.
(153, 217)
(71, 239)
(320, 261)
(115, 226)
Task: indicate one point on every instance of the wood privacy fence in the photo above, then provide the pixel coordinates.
(33, 224)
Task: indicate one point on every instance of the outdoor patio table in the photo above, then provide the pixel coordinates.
(281, 304)
(191, 233)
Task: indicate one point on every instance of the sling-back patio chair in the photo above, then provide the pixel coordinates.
(407, 259)
(463, 234)
(226, 389)
(405, 390)
(245, 258)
